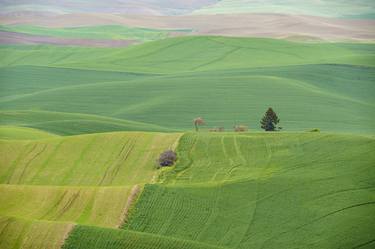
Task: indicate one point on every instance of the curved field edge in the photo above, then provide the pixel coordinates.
(17, 233)
(86, 237)
(62, 123)
(23, 133)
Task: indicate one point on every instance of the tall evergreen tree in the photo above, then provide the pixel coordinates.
(269, 120)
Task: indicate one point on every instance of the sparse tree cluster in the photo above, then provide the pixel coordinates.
(241, 128)
(217, 129)
(268, 123)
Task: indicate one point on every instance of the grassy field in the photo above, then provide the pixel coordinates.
(107, 32)
(314, 8)
(84, 237)
(85, 205)
(265, 191)
(195, 53)
(20, 233)
(335, 97)
(76, 146)
(23, 133)
(62, 123)
(114, 159)
(163, 85)
(249, 190)
(211, 158)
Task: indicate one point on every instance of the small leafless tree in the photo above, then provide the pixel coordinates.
(197, 122)
(241, 128)
(217, 129)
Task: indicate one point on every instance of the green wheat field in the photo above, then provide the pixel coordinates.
(82, 127)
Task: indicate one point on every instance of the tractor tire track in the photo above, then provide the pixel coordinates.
(55, 206)
(247, 235)
(364, 244)
(68, 205)
(30, 161)
(316, 220)
(106, 172)
(122, 161)
(10, 172)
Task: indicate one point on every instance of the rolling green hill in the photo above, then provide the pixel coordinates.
(109, 32)
(34, 203)
(329, 97)
(265, 191)
(328, 8)
(62, 123)
(163, 85)
(247, 190)
(84, 237)
(113, 159)
(195, 53)
(21, 233)
(23, 133)
(85, 205)
(62, 164)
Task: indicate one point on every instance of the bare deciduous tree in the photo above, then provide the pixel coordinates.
(217, 129)
(197, 122)
(241, 128)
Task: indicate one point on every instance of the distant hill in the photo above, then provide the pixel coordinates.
(328, 8)
(165, 84)
(145, 7)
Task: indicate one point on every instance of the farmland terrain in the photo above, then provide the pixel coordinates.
(163, 85)
(93, 92)
(215, 197)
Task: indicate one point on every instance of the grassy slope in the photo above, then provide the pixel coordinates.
(84, 237)
(63, 123)
(201, 77)
(108, 32)
(336, 98)
(88, 163)
(84, 205)
(306, 185)
(31, 234)
(186, 54)
(102, 159)
(265, 191)
(331, 8)
(23, 133)
(23, 80)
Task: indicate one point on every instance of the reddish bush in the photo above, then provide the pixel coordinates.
(167, 158)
